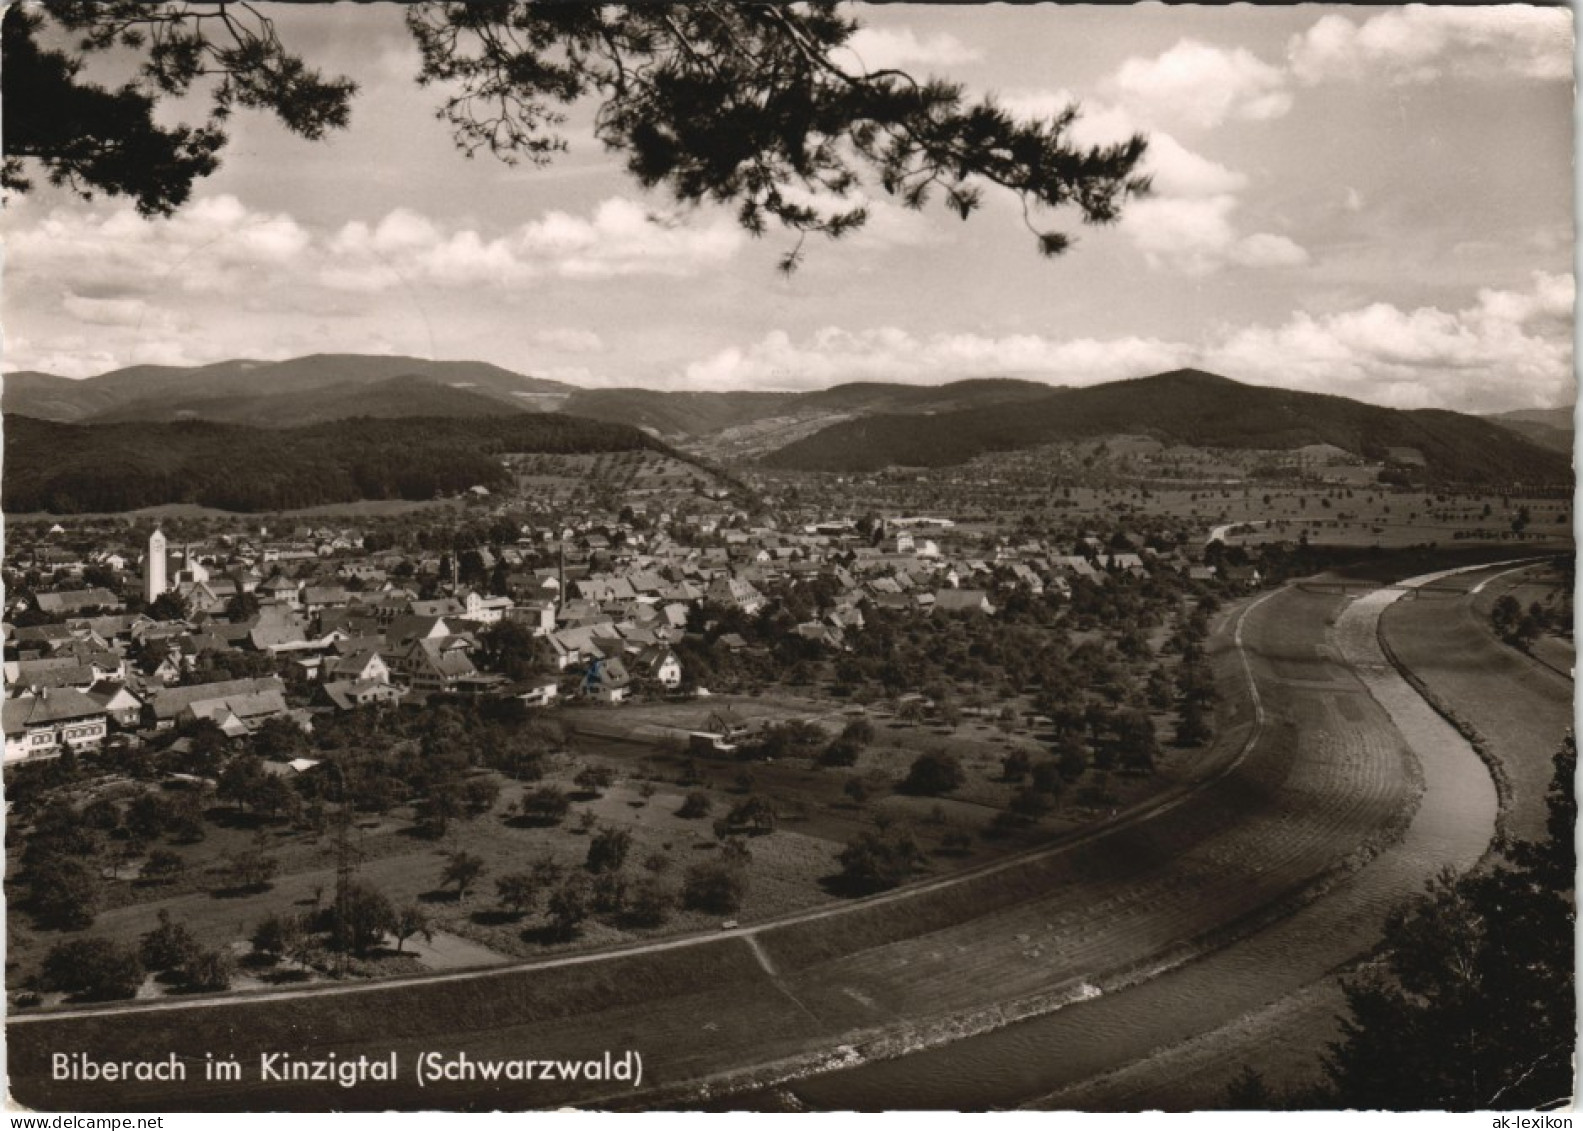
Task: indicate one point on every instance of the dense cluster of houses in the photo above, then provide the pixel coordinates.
(348, 629)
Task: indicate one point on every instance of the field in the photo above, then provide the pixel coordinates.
(789, 871)
(1136, 480)
(1320, 784)
(558, 480)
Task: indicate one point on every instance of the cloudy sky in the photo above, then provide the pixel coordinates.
(1372, 202)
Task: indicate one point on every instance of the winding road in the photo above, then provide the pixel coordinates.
(1125, 950)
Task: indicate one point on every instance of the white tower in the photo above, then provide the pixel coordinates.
(154, 566)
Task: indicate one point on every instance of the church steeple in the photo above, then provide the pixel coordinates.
(154, 584)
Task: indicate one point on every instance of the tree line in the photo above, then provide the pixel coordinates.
(76, 468)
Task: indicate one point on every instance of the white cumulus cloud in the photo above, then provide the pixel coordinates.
(1202, 85)
(1508, 349)
(879, 48)
(619, 238)
(1187, 223)
(1418, 43)
(569, 340)
(216, 245)
(835, 355)
(1505, 349)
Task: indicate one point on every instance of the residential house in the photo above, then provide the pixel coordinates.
(735, 593)
(537, 615)
(485, 610)
(963, 600)
(319, 597)
(124, 708)
(240, 714)
(365, 665)
(608, 681)
(74, 601)
(169, 704)
(350, 694)
(437, 664)
(539, 691)
(659, 663)
(50, 722)
(279, 588)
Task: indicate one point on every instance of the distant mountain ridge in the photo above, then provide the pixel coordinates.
(323, 387)
(1548, 427)
(695, 415)
(856, 426)
(1184, 406)
(387, 399)
(165, 392)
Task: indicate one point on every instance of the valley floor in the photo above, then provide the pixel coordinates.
(1315, 779)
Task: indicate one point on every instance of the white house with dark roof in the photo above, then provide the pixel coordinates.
(50, 722)
(437, 664)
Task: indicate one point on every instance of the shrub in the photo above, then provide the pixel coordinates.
(933, 773)
(714, 887)
(168, 946)
(696, 804)
(93, 969)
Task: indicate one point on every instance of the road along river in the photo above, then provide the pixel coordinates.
(1101, 941)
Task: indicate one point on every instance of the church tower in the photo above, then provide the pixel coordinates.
(154, 566)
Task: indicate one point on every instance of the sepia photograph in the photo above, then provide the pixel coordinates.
(788, 557)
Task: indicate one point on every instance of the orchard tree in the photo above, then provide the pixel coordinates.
(933, 773)
(411, 920)
(650, 903)
(64, 894)
(763, 108)
(517, 892)
(93, 969)
(876, 859)
(546, 805)
(695, 804)
(714, 886)
(360, 917)
(569, 905)
(208, 970)
(462, 869)
(168, 946)
(277, 935)
(608, 849)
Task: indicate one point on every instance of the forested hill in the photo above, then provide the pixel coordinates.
(269, 392)
(1187, 407)
(74, 468)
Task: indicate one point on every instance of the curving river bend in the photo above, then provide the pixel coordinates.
(1169, 1041)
